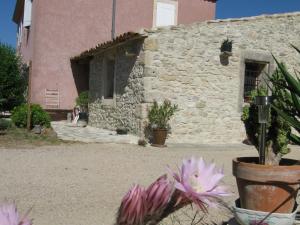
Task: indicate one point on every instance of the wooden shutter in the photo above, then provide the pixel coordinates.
(52, 98)
(165, 14)
(27, 13)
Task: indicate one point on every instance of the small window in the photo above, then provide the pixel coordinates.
(165, 13)
(109, 81)
(253, 76)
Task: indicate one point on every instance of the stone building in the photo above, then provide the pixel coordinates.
(184, 64)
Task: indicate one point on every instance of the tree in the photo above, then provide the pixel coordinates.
(12, 78)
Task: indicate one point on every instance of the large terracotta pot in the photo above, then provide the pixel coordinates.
(159, 137)
(267, 188)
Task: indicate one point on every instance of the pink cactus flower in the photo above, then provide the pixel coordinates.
(199, 182)
(10, 216)
(158, 195)
(133, 207)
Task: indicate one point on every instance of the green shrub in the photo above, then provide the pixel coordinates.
(83, 100)
(159, 115)
(38, 116)
(226, 45)
(4, 124)
(250, 117)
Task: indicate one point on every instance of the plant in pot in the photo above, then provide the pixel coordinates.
(83, 101)
(121, 127)
(226, 47)
(159, 117)
(268, 183)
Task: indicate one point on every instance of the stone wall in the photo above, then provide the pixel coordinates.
(183, 64)
(125, 108)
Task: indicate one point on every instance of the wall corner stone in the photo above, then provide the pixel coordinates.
(151, 44)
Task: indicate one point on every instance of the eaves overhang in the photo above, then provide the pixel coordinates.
(119, 40)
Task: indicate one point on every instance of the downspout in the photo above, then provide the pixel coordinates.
(113, 26)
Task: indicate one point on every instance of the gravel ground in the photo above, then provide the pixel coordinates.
(82, 184)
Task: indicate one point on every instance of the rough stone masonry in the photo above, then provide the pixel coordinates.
(184, 64)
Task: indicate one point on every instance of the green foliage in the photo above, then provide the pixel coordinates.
(290, 112)
(12, 83)
(278, 130)
(160, 115)
(38, 116)
(5, 124)
(83, 100)
(250, 117)
(226, 45)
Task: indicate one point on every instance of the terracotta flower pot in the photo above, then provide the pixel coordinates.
(159, 137)
(267, 188)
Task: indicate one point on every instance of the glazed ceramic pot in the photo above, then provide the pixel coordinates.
(252, 217)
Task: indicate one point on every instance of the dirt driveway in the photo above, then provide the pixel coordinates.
(82, 184)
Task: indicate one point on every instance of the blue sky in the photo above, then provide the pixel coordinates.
(7, 27)
(225, 9)
(243, 8)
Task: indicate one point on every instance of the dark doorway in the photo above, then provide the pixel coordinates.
(81, 70)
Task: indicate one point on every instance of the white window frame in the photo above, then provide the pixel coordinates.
(173, 2)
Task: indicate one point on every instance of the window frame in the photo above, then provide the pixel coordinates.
(173, 2)
(255, 56)
(260, 78)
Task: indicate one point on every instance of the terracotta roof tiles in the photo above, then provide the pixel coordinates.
(105, 45)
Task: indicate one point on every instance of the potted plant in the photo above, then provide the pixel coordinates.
(159, 117)
(226, 47)
(121, 127)
(273, 185)
(83, 101)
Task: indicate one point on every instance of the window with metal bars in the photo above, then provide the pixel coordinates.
(253, 74)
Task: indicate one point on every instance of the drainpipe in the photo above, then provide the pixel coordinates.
(113, 26)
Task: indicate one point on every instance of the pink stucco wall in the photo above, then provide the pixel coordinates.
(63, 29)
(133, 15)
(195, 10)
